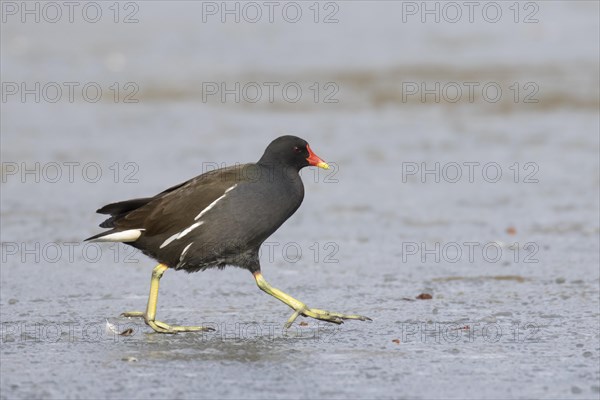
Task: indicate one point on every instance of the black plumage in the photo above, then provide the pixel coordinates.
(261, 197)
(217, 219)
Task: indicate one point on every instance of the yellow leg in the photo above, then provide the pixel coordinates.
(301, 308)
(150, 314)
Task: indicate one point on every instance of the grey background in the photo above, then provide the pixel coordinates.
(522, 326)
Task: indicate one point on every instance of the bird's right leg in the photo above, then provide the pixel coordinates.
(150, 314)
(302, 309)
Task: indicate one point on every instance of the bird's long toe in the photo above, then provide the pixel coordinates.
(162, 327)
(323, 315)
(343, 316)
(166, 328)
(134, 314)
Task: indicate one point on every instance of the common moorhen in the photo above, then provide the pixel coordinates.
(217, 219)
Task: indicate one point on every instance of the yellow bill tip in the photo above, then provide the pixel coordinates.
(323, 165)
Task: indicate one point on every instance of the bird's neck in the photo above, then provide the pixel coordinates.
(276, 171)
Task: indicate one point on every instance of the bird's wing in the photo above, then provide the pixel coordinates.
(165, 212)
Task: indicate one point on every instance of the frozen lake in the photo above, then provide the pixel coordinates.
(466, 166)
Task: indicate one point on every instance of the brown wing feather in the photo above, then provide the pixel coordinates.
(184, 202)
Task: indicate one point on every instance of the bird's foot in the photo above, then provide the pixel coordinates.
(162, 327)
(336, 318)
(134, 314)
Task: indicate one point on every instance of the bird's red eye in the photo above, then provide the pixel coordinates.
(297, 150)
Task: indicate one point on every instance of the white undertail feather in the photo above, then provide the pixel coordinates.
(127, 236)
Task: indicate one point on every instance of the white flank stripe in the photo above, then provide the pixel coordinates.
(181, 234)
(130, 235)
(188, 230)
(169, 240)
(211, 205)
(185, 251)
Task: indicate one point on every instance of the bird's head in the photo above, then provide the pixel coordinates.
(292, 151)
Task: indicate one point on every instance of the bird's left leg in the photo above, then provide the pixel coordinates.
(301, 308)
(150, 314)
